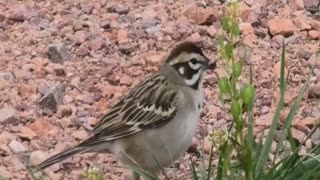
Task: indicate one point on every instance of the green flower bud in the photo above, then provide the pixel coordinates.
(224, 86)
(235, 110)
(248, 94)
(237, 69)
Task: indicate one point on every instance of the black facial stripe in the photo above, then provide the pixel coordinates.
(188, 71)
(196, 85)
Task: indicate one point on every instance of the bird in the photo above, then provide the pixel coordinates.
(153, 124)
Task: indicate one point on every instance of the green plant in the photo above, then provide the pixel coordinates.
(240, 156)
(240, 103)
(93, 174)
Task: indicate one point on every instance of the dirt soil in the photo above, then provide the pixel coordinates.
(64, 63)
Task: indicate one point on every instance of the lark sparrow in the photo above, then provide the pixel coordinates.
(154, 123)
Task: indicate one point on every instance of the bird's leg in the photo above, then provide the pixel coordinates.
(136, 176)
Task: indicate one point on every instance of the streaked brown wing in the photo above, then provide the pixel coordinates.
(151, 104)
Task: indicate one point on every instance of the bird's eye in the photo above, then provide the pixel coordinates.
(193, 61)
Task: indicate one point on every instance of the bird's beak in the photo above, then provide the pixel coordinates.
(210, 64)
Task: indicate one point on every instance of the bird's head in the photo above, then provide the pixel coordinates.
(187, 62)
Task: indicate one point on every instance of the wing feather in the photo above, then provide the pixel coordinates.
(151, 104)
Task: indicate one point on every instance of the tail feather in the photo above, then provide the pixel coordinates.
(61, 156)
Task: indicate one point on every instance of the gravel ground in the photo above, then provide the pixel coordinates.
(63, 63)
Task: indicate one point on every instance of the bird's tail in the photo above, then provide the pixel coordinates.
(61, 156)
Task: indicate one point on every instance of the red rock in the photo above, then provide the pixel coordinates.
(313, 34)
(17, 16)
(5, 173)
(52, 99)
(290, 96)
(169, 29)
(315, 25)
(118, 8)
(42, 127)
(285, 12)
(17, 147)
(8, 115)
(82, 51)
(80, 134)
(87, 8)
(211, 30)
(64, 111)
(17, 164)
(64, 22)
(195, 38)
(25, 90)
(125, 80)
(59, 70)
(311, 5)
(105, 24)
(149, 19)
(122, 36)
(213, 110)
(297, 134)
(3, 36)
(261, 32)
(26, 132)
(314, 92)
(313, 60)
(77, 24)
(276, 69)
(304, 124)
(28, 67)
(207, 145)
(200, 15)
(246, 28)
(301, 23)
(6, 79)
(81, 36)
(264, 120)
(22, 74)
(277, 40)
(308, 144)
(2, 17)
(281, 26)
(37, 157)
(58, 53)
(6, 137)
(245, 11)
(155, 59)
(97, 43)
(296, 5)
(250, 2)
(127, 47)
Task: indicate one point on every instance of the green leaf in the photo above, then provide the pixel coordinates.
(210, 163)
(250, 138)
(303, 167)
(263, 157)
(194, 171)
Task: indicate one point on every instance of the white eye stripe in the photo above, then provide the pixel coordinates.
(181, 70)
(194, 66)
